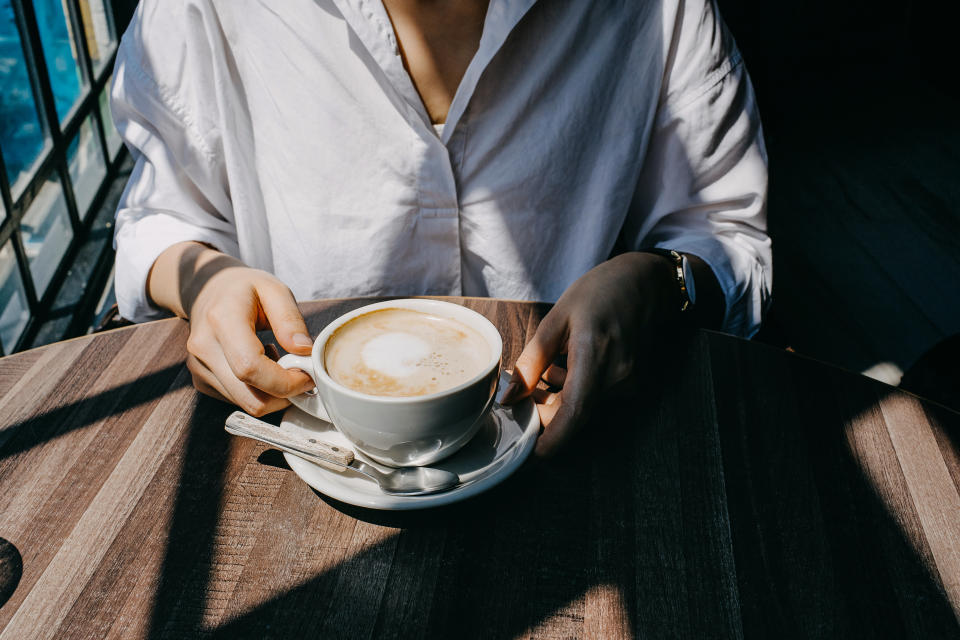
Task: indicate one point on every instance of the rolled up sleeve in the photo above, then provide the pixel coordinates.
(177, 190)
(703, 187)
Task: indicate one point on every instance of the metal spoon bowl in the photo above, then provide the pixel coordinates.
(411, 481)
(407, 481)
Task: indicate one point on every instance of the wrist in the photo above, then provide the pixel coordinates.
(683, 277)
(654, 276)
(697, 297)
(180, 272)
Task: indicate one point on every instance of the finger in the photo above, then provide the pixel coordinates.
(284, 318)
(544, 396)
(546, 343)
(547, 412)
(205, 381)
(555, 376)
(215, 372)
(578, 390)
(247, 360)
(208, 390)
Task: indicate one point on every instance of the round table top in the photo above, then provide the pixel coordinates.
(733, 490)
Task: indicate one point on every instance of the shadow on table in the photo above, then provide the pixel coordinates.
(486, 567)
(692, 522)
(827, 538)
(674, 528)
(70, 416)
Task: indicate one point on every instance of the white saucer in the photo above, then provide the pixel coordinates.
(503, 443)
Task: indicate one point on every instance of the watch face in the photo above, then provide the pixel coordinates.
(688, 280)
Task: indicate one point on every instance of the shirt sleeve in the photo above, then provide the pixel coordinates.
(703, 186)
(177, 190)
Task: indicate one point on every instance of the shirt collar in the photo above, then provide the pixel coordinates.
(369, 21)
(502, 17)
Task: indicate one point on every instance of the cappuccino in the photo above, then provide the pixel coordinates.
(400, 352)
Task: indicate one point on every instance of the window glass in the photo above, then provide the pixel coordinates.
(14, 311)
(21, 136)
(87, 169)
(60, 53)
(98, 32)
(46, 233)
(114, 142)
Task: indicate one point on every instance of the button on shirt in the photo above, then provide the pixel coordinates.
(291, 136)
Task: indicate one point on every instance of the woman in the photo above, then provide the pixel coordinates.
(349, 147)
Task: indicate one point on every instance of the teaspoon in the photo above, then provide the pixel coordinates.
(408, 481)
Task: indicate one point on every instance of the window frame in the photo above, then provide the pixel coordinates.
(53, 158)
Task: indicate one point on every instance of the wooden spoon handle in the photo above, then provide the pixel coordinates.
(241, 424)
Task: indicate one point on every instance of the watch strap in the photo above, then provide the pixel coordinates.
(677, 258)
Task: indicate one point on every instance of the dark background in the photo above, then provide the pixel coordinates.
(860, 107)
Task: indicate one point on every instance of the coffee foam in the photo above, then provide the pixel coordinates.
(401, 352)
(396, 354)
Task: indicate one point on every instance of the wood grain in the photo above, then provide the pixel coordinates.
(931, 487)
(731, 490)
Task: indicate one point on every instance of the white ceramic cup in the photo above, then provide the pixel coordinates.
(403, 431)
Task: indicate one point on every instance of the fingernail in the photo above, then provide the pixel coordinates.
(302, 340)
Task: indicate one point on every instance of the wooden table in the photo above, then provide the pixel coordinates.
(741, 491)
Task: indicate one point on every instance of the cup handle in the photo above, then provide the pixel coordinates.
(310, 401)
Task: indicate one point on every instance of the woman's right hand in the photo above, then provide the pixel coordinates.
(226, 303)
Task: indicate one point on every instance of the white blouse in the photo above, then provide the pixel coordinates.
(290, 136)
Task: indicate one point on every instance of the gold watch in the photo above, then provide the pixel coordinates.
(684, 272)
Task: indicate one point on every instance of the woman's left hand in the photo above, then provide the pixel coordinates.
(598, 323)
